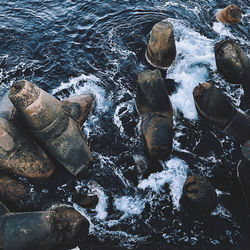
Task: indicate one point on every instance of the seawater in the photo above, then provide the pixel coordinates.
(74, 46)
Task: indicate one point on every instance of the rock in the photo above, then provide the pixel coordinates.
(12, 192)
(86, 201)
(246, 150)
(243, 175)
(3, 209)
(80, 105)
(42, 230)
(50, 123)
(232, 63)
(19, 153)
(239, 127)
(213, 107)
(198, 195)
(155, 109)
(161, 49)
(73, 225)
(229, 15)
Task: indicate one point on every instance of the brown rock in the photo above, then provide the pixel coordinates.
(214, 107)
(161, 49)
(198, 195)
(19, 153)
(42, 230)
(49, 121)
(80, 105)
(232, 63)
(73, 225)
(155, 108)
(12, 191)
(229, 15)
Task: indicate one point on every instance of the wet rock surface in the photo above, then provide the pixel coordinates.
(155, 108)
(229, 15)
(19, 153)
(232, 63)
(198, 195)
(50, 123)
(214, 108)
(161, 49)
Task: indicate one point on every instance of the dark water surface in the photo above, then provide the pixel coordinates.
(73, 46)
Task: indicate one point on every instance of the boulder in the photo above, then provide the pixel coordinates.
(154, 107)
(232, 63)
(12, 191)
(214, 108)
(42, 230)
(198, 195)
(81, 106)
(161, 50)
(50, 122)
(243, 175)
(229, 15)
(19, 153)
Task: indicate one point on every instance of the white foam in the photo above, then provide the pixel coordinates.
(129, 205)
(194, 58)
(174, 173)
(91, 85)
(101, 208)
(221, 29)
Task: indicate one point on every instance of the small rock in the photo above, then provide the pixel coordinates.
(198, 195)
(161, 49)
(229, 15)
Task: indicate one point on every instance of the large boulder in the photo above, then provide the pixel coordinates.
(161, 50)
(198, 195)
(229, 15)
(213, 107)
(232, 63)
(50, 122)
(19, 153)
(154, 107)
(42, 230)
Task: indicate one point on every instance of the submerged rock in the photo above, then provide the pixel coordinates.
(42, 230)
(213, 107)
(19, 153)
(154, 107)
(229, 15)
(86, 201)
(198, 195)
(81, 106)
(161, 49)
(49, 121)
(232, 63)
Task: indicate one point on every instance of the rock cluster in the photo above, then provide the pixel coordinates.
(33, 125)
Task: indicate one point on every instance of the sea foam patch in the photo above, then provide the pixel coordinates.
(195, 56)
(174, 173)
(129, 205)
